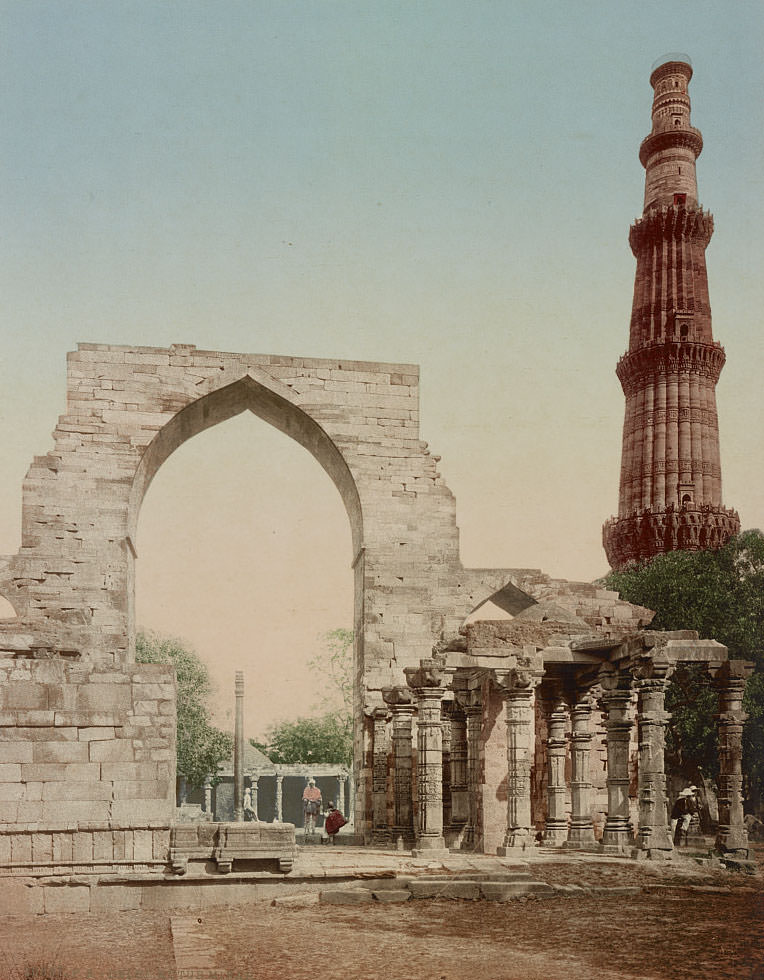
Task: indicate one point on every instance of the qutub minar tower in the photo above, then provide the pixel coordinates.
(671, 485)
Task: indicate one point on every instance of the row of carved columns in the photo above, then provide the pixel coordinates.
(447, 775)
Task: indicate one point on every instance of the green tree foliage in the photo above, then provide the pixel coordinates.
(200, 746)
(309, 740)
(721, 595)
(325, 737)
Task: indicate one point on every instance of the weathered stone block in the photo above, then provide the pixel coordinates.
(57, 772)
(104, 732)
(392, 895)
(82, 791)
(143, 845)
(345, 896)
(10, 772)
(114, 750)
(60, 752)
(62, 847)
(66, 898)
(129, 812)
(55, 812)
(21, 848)
(82, 847)
(24, 695)
(15, 752)
(42, 848)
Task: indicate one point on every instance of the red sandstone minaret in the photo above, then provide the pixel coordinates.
(671, 486)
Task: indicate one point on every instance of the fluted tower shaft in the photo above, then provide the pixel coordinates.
(670, 488)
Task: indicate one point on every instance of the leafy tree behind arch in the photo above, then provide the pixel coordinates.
(201, 747)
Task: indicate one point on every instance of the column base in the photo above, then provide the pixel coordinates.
(517, 842)
(555, 834)
(581, 835)
(655, 839)
(425, 845)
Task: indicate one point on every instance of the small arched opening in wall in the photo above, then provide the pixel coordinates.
(261, 551)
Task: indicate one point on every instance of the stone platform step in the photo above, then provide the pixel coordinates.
(468, 886)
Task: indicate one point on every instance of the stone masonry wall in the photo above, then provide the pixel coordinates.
(85, 753)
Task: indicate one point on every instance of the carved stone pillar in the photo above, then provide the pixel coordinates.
(400, 701)
(581, 831)
(556, 830)
(426, 681)
(341, 793)
(208, 795)
(279, 799)
(238, 750)
(379, 830)
(651, 674)
(616, 701)
(254, 781)
(460, 805)
(517, 689)
(446, 711)
(473, 710)
(729, 681)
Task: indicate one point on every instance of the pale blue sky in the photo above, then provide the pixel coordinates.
(448, 183)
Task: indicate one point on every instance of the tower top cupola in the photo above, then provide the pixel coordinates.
(669, 153)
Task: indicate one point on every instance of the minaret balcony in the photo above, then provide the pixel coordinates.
(686, 136)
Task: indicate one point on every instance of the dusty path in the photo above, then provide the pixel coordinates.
(701, 935)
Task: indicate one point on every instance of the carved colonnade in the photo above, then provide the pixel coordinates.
(436, 797)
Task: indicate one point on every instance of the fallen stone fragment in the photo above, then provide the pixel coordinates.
(296, 901)
(345, 896)
(391, 895)
(505, 891)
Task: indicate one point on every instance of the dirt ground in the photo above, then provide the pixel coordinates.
(714, 930)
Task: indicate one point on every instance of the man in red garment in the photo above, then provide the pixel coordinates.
(334, 820)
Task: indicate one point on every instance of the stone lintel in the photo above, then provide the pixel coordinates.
(566, 655)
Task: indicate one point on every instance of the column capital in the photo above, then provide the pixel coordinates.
(517, 681)
(731, 673)
(398, 698)
(428, 679)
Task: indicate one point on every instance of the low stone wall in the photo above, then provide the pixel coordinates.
(26, 851)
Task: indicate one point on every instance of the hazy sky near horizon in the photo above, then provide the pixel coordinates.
(438, 182)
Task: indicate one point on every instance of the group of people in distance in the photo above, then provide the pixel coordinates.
(311, 805)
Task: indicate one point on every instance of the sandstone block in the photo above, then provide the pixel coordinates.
(142, 845)
(504, 891)
(24, 695)
(21, 848)
(115, 898)
(103, 849)
(136, 811)
(80, 791)
(10, 772)
(15, 752)
(345, 896)
(62, 847)
(97, 734)
(66, 898)
(57, 772)
(392, 895)
(82, 847)
(60, 752)
(74, 811)
(42, 848)
(10, 792)
(115, 750)
(128, 771)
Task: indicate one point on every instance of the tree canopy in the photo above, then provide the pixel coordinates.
(200, 746)
(721, 595)
(328, 736)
